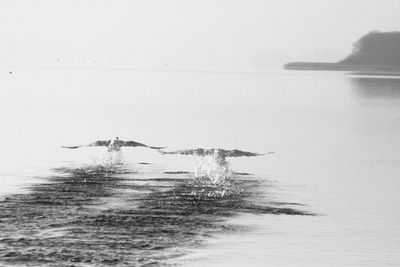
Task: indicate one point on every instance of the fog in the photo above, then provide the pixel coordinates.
(181, 34)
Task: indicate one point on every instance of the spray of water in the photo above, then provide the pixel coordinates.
(108, 161)
(212, 169)
(213, 178)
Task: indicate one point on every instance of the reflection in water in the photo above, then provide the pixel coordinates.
(111, 216)
(374, 87)
(377, 73)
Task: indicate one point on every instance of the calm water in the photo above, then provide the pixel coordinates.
(327, 197)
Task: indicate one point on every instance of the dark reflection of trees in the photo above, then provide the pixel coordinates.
(98, 216)
(375, 87)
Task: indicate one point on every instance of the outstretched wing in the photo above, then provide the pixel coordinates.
(71, 147)
(239, 153)
(134, 144)
(100, 143)
(97, 143)
(198, 151)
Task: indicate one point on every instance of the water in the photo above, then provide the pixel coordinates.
(327, 197)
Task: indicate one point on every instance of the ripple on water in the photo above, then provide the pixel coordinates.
(105, 215)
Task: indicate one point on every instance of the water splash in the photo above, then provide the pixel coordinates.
(100, 166)
(108, 159)
(205, 188)
(212, 170)
(213, 179)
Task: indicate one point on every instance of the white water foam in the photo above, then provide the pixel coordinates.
(108, 159)
(213, 178)
(215, 170)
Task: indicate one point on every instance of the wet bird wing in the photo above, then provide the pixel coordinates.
(71, 147)
(100, 143)
(97, 143)
(182, 152)
(240, 153)
(134, 144)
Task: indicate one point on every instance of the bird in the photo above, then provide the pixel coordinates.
(218, 154)
(114, 145)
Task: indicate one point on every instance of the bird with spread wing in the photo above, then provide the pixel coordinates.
(218, 154)
(114, 145)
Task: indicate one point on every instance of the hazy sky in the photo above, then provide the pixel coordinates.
(210, 34)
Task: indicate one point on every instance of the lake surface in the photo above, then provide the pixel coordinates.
(327, 197)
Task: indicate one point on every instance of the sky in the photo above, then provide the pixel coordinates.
(187, 34)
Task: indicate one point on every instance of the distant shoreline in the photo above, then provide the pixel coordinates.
(373, 52)
(339, 67)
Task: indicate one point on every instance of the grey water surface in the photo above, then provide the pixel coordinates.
(327, 197)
